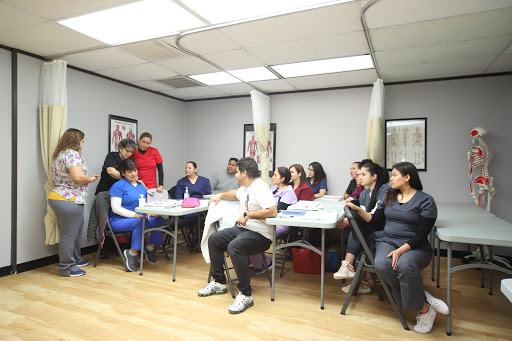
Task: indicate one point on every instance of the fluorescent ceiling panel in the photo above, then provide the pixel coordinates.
(223, 11)
(253, 74)
(215, 78)
(318, 67)
(134, 22)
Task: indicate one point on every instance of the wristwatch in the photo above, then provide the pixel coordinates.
(245, 215)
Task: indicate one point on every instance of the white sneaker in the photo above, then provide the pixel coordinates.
(361, 290)
(424, 322)
(213, 288)
(437, 304)
(241, 303)
(344, 271)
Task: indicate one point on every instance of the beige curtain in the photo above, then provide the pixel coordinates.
(261, 120)
(52, 124)
(374, 127)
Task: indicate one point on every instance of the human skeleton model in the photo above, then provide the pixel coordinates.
(417, 146)
(480, 156)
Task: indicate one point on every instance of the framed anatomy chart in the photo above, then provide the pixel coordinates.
(120, 128)
(406, 140)
(251, 148)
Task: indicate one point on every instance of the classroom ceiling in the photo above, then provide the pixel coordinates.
(411, 40)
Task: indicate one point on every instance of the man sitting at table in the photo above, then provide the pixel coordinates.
(225, 180)
(250, 236)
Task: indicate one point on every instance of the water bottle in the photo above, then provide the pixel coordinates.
(142, 200)
(187, 194)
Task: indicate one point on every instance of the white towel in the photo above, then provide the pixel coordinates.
(226, 212)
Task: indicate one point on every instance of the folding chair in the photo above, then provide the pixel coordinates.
(109, 232)
(281, 239)
(366, 264)
(227, 268)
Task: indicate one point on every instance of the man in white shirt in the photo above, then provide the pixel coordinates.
(225, 180)
(250, 236)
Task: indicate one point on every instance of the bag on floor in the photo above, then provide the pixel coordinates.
(306, 261)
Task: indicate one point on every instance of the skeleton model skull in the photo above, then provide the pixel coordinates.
(479, 157)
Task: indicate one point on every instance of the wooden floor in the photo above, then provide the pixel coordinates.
(111, 304)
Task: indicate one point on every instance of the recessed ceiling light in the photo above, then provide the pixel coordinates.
(253, 74)
(223, 11)
(215, 78)
(138, 21)
(318, 67)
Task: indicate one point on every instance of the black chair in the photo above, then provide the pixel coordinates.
(110, 233)
(282, 253)
(366, 264)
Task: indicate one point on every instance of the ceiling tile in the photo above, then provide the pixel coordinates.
(60, 9)
(502, 62)
(470, 66)
(399, 12)
(153, 50)
(233, 60)
(195, 92)
(139, 72)
(318, 22)
(234, 89)
(442, 52)
(208, 42)
(490, 24)
(188, 66)
(274, 85)
(102, 59)
(340, 45)
(360, 77)
(508, 50)
(48, 39)
(14, 18)
(152, 85)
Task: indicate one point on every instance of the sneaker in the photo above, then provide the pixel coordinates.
(361, 290)
(262, 270)
(241, 303)
(344, 271)
(150, 255)
(424, 322)
(213, 288)
(437, 304)
(131, 261)
(76, 273)
(83, 262)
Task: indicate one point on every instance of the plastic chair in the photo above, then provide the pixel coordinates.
(366, 264)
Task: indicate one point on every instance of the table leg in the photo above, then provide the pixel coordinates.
(432, 242)
(175, 247)
(438, 260)
(144, 215)
(449, 289)
(482, 261)
(322, 271)
(274, 264)
(491, 258)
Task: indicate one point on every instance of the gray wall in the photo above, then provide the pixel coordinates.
(91, 100)
(5, 171)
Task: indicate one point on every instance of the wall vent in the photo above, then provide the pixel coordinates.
(153, 50)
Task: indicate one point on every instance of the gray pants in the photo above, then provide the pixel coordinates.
(239, 243)
(406, 281)
(71, 223)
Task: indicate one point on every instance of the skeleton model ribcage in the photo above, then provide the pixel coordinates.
(480, 156)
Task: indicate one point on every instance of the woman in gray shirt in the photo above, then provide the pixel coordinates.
(403, 251)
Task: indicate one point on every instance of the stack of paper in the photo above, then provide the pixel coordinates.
(305, 205)
(321, 215)
(332, 197)
(162, 204)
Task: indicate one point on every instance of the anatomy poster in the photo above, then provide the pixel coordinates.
(121, 128)
(406, 140)
(251, 148)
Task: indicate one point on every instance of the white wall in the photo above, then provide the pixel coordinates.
(5, 171)
(325, 126)
(91, 100)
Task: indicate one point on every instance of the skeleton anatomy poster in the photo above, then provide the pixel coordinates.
(406, 140)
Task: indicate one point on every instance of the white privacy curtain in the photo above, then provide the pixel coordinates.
(53, 108)
(261, 120)
(374, 126)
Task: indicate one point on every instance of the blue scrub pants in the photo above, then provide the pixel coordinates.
(135, 225)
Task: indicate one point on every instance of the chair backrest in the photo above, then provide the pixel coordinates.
(357, 231)
(172, 193)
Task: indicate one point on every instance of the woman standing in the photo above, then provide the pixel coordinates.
(110, 173)
(124, 198)
(317, 179)
(148, 160)
(67, 199)
(403, 251)
(197, 185)
(298, 181)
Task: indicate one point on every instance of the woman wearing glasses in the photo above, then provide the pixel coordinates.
(317, 179)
